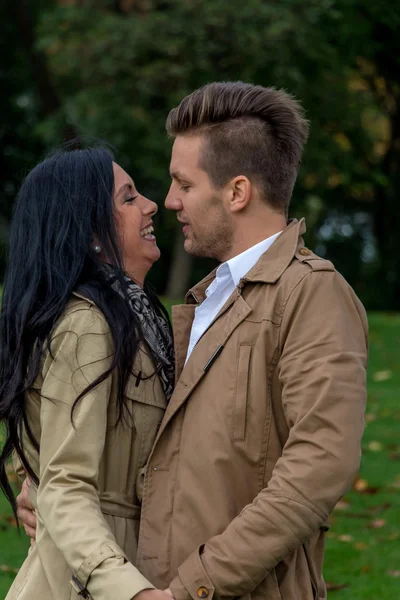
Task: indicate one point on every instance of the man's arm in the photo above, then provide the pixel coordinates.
(322, 371)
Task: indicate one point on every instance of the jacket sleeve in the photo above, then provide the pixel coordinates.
(18, 468)
(322, 374)
(70, 454)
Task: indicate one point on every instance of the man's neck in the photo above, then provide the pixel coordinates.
(251, 235)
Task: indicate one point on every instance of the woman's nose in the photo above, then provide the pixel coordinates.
(149, 207)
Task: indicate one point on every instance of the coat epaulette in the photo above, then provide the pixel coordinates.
(317, 263)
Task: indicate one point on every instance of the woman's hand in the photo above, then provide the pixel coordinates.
(25, 512)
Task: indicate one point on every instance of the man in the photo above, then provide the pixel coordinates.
(262, 434)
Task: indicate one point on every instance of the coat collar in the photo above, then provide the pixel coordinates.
(279, 256)
(81, 296)
(268, 268)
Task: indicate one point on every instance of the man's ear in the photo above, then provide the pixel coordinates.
(238, 193)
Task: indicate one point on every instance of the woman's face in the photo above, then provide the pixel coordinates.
(134, 226)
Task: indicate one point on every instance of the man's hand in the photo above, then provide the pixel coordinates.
(153, 595)
(26, 512)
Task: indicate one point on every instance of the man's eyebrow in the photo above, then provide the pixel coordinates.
(176, 175)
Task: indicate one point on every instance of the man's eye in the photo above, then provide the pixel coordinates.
(185, 188)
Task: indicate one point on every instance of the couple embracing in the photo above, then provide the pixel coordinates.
(202, 463)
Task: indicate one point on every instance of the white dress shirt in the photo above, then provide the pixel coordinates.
(226, 280)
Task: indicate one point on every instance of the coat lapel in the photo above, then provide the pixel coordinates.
(205, 352)
(182, 321)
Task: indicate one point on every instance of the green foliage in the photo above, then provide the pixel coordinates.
(20, 145)
(119, 75)
(118, 71)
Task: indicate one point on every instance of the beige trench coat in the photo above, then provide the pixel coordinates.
(261, 436)
(88, 500)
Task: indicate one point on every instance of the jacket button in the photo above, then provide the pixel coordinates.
(202, 592)
(304, 251)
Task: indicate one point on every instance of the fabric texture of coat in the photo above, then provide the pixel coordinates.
(261, 436)
(91, 471)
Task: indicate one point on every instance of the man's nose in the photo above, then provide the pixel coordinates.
(172, 201)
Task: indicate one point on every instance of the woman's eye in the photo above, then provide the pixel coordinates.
(130, 199)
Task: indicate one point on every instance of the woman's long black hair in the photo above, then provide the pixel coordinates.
(63, 203)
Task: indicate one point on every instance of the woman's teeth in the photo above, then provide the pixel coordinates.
(147, 232)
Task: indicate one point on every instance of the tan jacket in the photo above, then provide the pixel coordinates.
(91, 476)
(262, 435)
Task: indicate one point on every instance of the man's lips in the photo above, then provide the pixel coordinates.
(185, 225)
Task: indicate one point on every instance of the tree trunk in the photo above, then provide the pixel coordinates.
(387, 221)
(49, 99)
(180, 270)
(25, 25)
(386, 213)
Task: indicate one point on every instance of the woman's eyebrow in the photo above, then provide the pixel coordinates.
(123, 188)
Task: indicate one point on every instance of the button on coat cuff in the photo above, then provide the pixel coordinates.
(192, 581)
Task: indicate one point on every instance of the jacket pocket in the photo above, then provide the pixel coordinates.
(239, 416)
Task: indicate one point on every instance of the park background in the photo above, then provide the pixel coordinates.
(112, 69)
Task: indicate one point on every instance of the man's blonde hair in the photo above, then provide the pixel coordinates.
(248, 130)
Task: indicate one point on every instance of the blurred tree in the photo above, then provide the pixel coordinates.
(20, 146)
(119, 66)
(25, 21)
(28, 96)
(381, 72)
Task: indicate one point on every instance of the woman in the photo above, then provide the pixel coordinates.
(86, 370)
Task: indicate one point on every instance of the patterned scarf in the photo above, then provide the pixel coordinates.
(154, 327)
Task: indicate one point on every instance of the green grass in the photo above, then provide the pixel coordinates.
(13, 546)
(363, 546)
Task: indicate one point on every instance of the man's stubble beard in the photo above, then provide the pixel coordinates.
(210, 244)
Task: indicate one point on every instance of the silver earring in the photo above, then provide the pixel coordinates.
(97, 248)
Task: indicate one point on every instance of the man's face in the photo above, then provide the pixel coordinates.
(207, 224)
